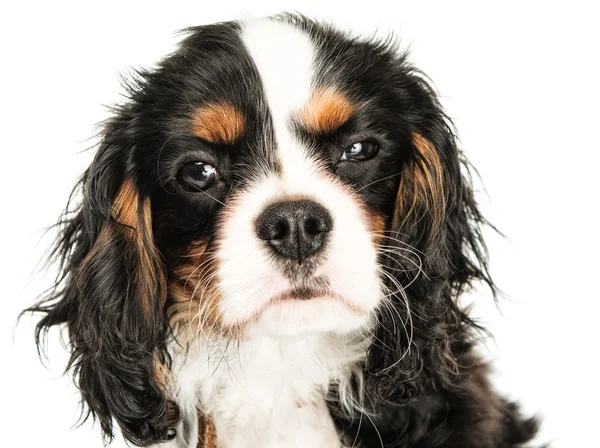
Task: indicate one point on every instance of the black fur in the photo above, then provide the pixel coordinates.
(424, 389)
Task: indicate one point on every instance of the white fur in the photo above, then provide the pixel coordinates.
(269, 389)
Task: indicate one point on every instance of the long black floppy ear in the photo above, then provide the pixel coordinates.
(437, 227)
(111, 293)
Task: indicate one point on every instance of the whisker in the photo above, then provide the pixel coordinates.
(359, 406)
(378, 180)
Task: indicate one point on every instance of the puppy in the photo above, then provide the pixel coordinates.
(268, 250)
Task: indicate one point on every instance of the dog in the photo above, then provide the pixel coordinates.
(268, 249)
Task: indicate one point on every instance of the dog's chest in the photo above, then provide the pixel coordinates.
(271, 393)
(241, 422)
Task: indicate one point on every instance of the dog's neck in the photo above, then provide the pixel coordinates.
(271, 391)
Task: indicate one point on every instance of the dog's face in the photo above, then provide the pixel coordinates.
(270, 177)
(272, 183)
(278, 180)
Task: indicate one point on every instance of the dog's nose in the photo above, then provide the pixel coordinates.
(294, 229)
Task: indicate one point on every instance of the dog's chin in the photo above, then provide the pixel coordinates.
(319, 313)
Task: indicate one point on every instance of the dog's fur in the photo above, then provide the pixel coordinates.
(186, 327)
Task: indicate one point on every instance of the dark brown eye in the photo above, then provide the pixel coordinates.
(197, 176)
(360, 151)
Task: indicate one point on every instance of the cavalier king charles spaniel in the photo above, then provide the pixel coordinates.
(268, 249)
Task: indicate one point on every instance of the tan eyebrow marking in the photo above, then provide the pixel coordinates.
(218, 123)
(326, 110)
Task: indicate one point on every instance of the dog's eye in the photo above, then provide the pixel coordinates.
(360, 151)
(197, 176)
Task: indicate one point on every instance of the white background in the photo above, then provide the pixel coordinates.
(520, 80)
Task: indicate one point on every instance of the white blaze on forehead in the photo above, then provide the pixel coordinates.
(284, 57)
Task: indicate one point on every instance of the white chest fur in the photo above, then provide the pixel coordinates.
(269, 392)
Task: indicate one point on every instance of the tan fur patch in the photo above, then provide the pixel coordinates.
(376, 225)
(162, 375)
(421, 187)
(218, 123)
(132, 220)
(195, 294)
(126, 205)
(135, 214)
(327, 110)
(207, 433)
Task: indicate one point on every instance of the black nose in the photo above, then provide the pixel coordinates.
(294, 229)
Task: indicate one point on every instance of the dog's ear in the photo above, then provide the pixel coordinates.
(422, 194)
(436, 230)
(111, 294)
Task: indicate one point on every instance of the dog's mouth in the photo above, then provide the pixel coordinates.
(304, 296)
(307, 289)
(301, 294)
(312, 305)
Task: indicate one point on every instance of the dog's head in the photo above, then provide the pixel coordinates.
(272, 177)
